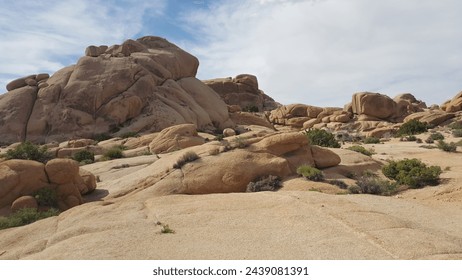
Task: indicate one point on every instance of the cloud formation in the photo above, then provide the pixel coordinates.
(44, 36)
(321, 52)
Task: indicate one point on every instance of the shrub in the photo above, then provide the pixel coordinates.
(409, 138)
(322, 138)
(84, 156)
(371, 140)
(457, 132)
(375, 185)
(447, 147)
(412, 172)
(25, 216)
(361, 149)
(219, 137)
(412, 127)
(46, 197)
(266, 183)
(250, 108)
(166, 229)
(436, 136)
(185, 158)
(129, 134)
(29, 151)
(429, 140)
(114, 152)
(339, 184)
(310, 173)
(101, 137)
(456, 125)
(240, 143)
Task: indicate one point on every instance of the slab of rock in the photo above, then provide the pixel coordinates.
(175, 138)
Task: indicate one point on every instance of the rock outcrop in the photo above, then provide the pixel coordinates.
(144, 86)
(453, 105)
(243, 91)
(20, 179)
(176, 138)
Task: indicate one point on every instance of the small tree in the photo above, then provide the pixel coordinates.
(29, 151)
(412, 172)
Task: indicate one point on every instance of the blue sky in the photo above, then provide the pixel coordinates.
(315, 52)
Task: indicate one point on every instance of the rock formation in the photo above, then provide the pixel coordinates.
(454, 104)
(243, 91)
(143, 85)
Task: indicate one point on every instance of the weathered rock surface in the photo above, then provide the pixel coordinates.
(453, 105)
(242, 91)
(175, 138)
(143, 85)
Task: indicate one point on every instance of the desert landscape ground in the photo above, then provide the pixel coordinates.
(185, 167)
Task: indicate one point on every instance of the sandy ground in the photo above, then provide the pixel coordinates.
(297, 222)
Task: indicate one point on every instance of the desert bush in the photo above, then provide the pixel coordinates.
(412, 172)
(428, 146)
(114, 152)
(371, 140)
(362, 150)
(375, 185)
(310, 173)
(436, 136)
(412, 127)
(25, 216)
(456, 125)
(447, 147)
(185, 158)
(29, 151)
(129, 134)
(219, 137)
(457, 132)
(409, 138)
(84, 156)
(250, 108)
(166, 229)
(322, 138)
(46, 197)
(265, 183)
(339, 184)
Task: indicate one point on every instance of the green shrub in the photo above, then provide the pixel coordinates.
(409, 138)
(84, 156)
(375, 185)
(25, 216)
(250, 108)
(101, 137)
(219, 137)
(29, 151)
(371, 140)
(46, 197)
(436, 136)
(412, 127)
(457, 132)
(114, 152)
(129, 134)
(310, 173)
(322, 138)
(412, 172)
(447, 147)
(166, 229)
(339, 184)
(185, 158)
(362, 150)
(266, 183)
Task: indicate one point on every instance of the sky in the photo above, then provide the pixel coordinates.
(316, 52)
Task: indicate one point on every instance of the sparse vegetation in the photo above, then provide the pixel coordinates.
(250, 108)
(456, 125)
(219, 137)
(367, 184)
(29, 151)
(447, 147)
(322, 138)
(457, 132)
(362, 150)
(265, 183)
(409, 138)
(412, 172)
(129, 134)
(101, 137)
(166, 229)
(25, 216)
(371, 140)
(84, 156)
(46, 197)
(114, 152)
(412, 127)
(185, 158)
(310, 173)
(436, 136)
(240, 143)
(339, 184)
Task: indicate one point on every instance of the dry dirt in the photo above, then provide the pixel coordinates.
(303, 220)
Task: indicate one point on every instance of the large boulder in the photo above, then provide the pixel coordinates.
(175, 138)
(433, 117)
(375, 105)
(242, 91)
(144, 86)
(453, 105)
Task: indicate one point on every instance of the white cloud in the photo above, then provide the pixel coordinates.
(321, 52)
(38, 36)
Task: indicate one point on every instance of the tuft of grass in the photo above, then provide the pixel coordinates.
(436, 136)
(185, 158)
(25, 216)
(114, 152)
(265, 183)
(447, 147)
(374, 185)
(84, 156)
(322, 138)
(29, 151)
(310, 173)
(166, 229)
(371, 140)
(362, 150)
(219, 137)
